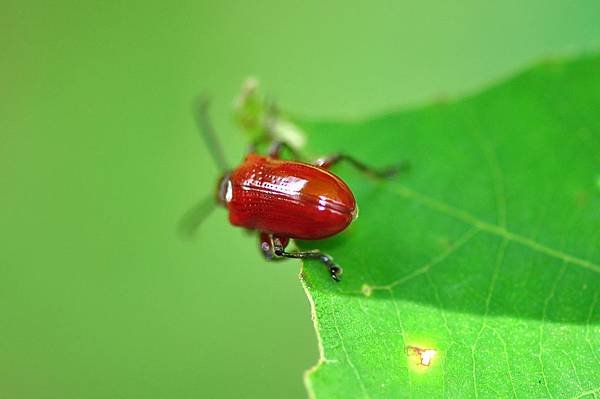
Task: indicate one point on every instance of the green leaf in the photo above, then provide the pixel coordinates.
(487, 251)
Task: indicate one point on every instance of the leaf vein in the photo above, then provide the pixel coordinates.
(402, 334)
(499, 260)
(587, 326)
(491, 228)
(431, 263)
(574, 369)
(497, 177)
(586, 393)
(350, 363)
(542, 324)
(506, 359)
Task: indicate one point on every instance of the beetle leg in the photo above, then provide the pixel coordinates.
(334, 270)
(277, 146)
(280, 242)
(266, 246)
(329, 161)
(253, 146)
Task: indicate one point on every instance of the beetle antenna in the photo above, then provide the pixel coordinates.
(193, 218)
(206, 129)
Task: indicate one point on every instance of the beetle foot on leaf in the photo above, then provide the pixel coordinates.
(334, 270)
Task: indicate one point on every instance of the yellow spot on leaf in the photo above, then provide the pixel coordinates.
(366, 289)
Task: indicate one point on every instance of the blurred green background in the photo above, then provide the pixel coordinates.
(99, 157)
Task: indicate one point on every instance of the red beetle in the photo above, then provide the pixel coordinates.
(283, 199)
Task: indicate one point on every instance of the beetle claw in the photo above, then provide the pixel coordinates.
(335, 272)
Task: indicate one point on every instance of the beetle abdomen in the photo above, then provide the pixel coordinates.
(291, 199)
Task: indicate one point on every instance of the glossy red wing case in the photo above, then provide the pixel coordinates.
(291, 199)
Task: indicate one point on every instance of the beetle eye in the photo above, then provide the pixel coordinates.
(229, 192)
(224, 190)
